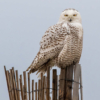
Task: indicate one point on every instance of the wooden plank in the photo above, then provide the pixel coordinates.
(32, 89)
(18, 93)
(12, 87)
(29, 86)
(62, 85)
(25, 85)
(54, 85)
(36, 91)
(68, 84)
(9, 87)
(21, 87)
(43, 87)
(76, 85)
(48, 82)
(14, 84)
(81, 88)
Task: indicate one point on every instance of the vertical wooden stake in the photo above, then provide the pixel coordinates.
(9, 85)
(6, 81)
(48, 82)
(29, 86)
(25, 85)
(18, 94)
(54, 85)
(32, 89)
(62, 85)
(36, 91)
(69, 77)
(12, 87)
(21, 87)
(43, 88)
(81, 88)
(14, 84)
(76, 84)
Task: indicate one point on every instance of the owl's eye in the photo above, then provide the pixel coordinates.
(66, 15)
(74, 14)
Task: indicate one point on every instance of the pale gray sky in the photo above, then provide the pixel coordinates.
(23, 23)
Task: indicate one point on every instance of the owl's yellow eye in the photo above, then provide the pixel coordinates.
(66, 15)
(74, 14)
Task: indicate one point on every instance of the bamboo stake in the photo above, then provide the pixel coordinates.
(25, 85)
(18, 94)
(6, 81)
(48, 82)
(29, 86)
(32, 89)
(69, 77)
(36, 91)
(21, 87)
(54, 85)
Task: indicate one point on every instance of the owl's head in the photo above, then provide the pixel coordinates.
(70, 16)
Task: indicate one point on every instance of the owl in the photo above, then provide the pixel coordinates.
(61, 45)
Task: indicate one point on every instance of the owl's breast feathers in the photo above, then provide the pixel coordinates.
(60, 45)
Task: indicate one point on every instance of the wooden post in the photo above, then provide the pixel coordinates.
(68, 82)
(32, 89)
(21, 87)
(36, 91)
(54, 85)
(81, 88)
(6, 81)
(45, 90)
(43, 87)
(62, 85)
(29, 86)
(9, 87)
(76, 83)
(40, 90)
(12, 87)
(25, 85)
(14, 84)
(48, 82)
(18, 93)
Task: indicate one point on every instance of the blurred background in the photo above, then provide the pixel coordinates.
(22, 25)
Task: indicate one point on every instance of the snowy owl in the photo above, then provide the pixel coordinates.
(61, 45)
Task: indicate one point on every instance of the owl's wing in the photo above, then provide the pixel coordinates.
(50, 45)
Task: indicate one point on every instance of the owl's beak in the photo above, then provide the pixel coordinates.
(70, 19)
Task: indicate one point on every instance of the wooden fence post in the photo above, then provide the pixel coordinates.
(48, 82)
(68, 82)
(54, 85)
(76, 82)
(62, 85)
(32, 89)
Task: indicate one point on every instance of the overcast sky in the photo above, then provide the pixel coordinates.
(23, 23)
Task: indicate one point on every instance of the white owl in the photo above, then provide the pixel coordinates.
(61, 44)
